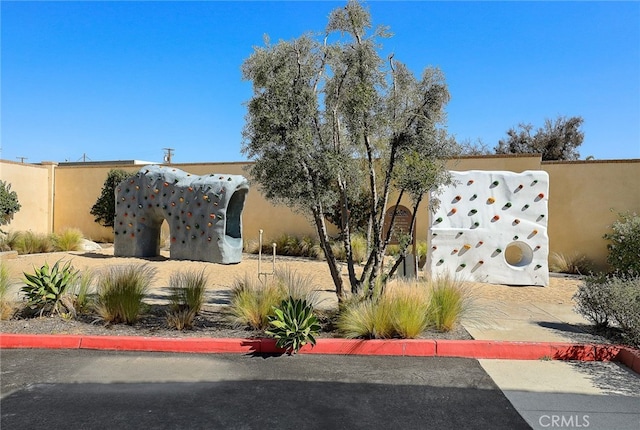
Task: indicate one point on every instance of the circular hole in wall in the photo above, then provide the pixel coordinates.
(518, 254)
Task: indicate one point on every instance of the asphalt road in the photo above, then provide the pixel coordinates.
(61, 389)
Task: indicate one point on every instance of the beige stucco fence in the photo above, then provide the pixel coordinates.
(584, 197)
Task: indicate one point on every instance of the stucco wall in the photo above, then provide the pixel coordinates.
(584, 197)
(33, 184)
(581, 198)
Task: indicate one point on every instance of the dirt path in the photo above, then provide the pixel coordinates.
(221, 277)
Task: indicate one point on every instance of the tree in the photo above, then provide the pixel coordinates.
(330, 115)
(558, 140)
(104, 210)
(9, 204)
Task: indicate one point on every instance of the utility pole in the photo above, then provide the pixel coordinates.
(168, 154)
(22, 159)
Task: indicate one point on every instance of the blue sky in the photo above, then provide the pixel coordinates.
(122, 80)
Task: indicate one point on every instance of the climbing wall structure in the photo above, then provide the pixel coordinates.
(492, 227)
(204, 214)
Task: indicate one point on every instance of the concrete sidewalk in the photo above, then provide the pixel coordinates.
(558, 394)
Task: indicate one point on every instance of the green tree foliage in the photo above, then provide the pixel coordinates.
(9, 204)
(329, 115)
(104, 210)
(557, 140)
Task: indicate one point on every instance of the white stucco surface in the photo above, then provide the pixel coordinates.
(492, 227)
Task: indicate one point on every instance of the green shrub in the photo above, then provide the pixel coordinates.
(574, 264)
(594, 300)
(9, 204)
(186, 299)
(104, 209)
(612, 301)
(252, 302)
(69, 239)
(293, 325)
(121, 291)
(624, 249)
(45, 288)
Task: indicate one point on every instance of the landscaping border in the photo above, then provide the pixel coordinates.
(478, 349)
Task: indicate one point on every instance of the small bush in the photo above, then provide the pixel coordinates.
(298, 286)
(186, 299)
(121, 291)
(573, 264)
(612, 301)
(9, 204)
(104, 209)
(69, 240)
(45, 288)
(402, 311)
(286, 245)
(624, 249)
(293, 325)
(7, 309)
(82, 292)
(29, 242)
(252, 302)
(449, 302)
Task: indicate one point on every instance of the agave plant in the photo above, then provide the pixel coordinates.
(293, 325)
(45, 288)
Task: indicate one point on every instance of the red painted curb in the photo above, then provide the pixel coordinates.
(133, 343)
(45, 341)
(630, 358)
(477, 349)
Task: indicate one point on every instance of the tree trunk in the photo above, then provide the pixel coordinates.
(328, 253)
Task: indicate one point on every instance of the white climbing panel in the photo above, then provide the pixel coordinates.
(492, 227)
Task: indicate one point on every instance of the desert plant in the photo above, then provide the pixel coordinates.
(7, 309)
(612, 300)
(574, 264)
(81, 291)
(401, 311)
(45, 288)
(252, 302)
(186, 299)
(293, 325)
(361, 318)
(104, 209)
(624, 249)
(9, 204)
(298, 286)
(69, 239)
(121, 292)
(409, 309)
(448, 303)
(8, 240)
(29, 242)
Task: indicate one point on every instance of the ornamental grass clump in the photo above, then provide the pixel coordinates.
(7, 309)
(252, 302)
(28, 242)
(121, 292)
(82, 292)
(186, 299)
(69, 239)
(400, 312)
(449, 301)
(405, 310)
